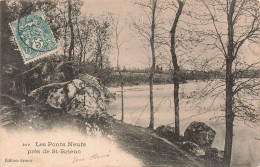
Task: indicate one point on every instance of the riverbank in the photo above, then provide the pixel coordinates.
(141, 77)
(139, 142)
(153, 150)
(136, 106)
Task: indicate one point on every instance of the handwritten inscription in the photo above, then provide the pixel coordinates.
(93, 157)
(98, 156)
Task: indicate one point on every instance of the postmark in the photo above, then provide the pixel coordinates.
(34, 37)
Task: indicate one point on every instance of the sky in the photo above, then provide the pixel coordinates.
(132, 53)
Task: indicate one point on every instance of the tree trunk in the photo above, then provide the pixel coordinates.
(151, 125)
(176, 105)
(121, 84)
(101, 62)
(122, 101)
(80, 41)
(71, 31)
(65, 41)
(176, 69)
(120, 73)
(122, 87)
(96, 63)
(84, 54)
(65, 35)
(98, 56)
(229, 114)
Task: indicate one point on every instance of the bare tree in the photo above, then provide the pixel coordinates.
(83, 40)
(102, 37)
(71, 30)
(65, 35)
(118, 31)
(229, 37)
(176, 67)
(151, 11)
(153, 63)
(80, 40)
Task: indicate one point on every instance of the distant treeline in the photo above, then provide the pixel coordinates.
(139, 77)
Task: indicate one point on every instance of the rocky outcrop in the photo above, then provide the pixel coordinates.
(52, 97)
(69, 104)
(193, 148)
(198, 138)
(166, 132)
(214, 154)
(75, 97)
(211, 154)
(39, 117)
(199, 133)
(78, 98)
(95, 83)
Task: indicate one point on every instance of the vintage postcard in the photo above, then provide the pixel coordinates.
(129, 83)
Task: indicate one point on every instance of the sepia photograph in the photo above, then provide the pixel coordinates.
(130, 83)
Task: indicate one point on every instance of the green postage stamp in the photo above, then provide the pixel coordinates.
(34, 37)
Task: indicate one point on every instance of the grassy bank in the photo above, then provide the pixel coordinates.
(153, 150)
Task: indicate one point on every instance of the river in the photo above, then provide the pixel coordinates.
(246, 143)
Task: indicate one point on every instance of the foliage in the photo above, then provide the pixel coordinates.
(92, 35)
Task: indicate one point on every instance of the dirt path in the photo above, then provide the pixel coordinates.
(151, 149)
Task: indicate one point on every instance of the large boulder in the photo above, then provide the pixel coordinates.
(209, 153)
(39, 117)
(74, 97)
(95, 83)
(35, 113)
(214, 154)
(52, 96)
(193, 148)
(200, 133)
(167, 132)
(78, 98)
